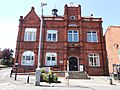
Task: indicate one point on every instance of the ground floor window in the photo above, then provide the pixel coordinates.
(94, 59)
(51, 59)
(28, 58)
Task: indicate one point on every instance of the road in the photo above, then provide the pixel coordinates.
(8, 83)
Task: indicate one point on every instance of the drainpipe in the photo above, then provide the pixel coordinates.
(18, 42)
(101, 37)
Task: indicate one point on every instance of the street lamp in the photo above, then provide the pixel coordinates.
(37, 82)
(67, 73)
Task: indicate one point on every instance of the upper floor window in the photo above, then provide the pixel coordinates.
(30, 34)
(92, 36)
(51, 59)
(51, 35)
(28, 58)
(73, 36)
(94, 59)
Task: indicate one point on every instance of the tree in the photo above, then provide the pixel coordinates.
(7, 56)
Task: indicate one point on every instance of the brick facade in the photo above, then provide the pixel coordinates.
(112, 39)
(64, 49)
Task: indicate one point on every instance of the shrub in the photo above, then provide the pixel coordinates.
(4, 62)
(42, 70)
(50, 77)
(55, 78)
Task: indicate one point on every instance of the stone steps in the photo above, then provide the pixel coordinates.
(78, 75)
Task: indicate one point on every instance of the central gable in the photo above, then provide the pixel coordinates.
(31, 19)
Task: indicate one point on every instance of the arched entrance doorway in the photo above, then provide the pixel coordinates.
(73, 64)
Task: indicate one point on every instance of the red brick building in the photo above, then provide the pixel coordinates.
(112, 39)
(69, 38)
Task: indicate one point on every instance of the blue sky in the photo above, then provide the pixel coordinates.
(11, 10)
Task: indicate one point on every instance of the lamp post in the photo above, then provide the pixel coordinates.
(37, 82)
(67, 73)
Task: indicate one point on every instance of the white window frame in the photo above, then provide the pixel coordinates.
(51, 33)
(28, 58)
(94, 59)
(73, 36)
(30, 34)
(91, 36)
(51, 62)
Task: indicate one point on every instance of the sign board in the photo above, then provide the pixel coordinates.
(81, 68)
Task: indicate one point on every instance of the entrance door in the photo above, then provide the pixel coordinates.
(73, 64)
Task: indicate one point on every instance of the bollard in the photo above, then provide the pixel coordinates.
(11, 73)
(110, 80)
(49, 79)
(67, 77)
(28, 77)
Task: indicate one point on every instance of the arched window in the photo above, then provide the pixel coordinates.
(51, 59)
(28, 58)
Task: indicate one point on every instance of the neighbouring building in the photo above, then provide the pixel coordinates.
(112, 39)
(70, 38)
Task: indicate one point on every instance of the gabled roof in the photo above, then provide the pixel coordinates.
(32, 13)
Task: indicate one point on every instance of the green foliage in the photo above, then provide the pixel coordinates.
(55, 78)
(7, 57)
(3, 62)
(48, 77)
(6, 62)
(42, 70)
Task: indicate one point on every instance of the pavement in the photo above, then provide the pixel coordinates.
(95, 83)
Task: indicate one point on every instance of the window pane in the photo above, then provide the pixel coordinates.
(70, 37)
(25, 36)
(53, 58)
(91, 61)
(48, 58)
(75, 37)
(53, 63)
(89, 37)
(34, 36)
(54, 37)
(49, 37)
(23, 58)
(69, 31)
(91, 55)
(75, 32)
(27, 57)
(29, 36)
(94, 37)
(32, 57)
(94, 61)
(97, 61)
